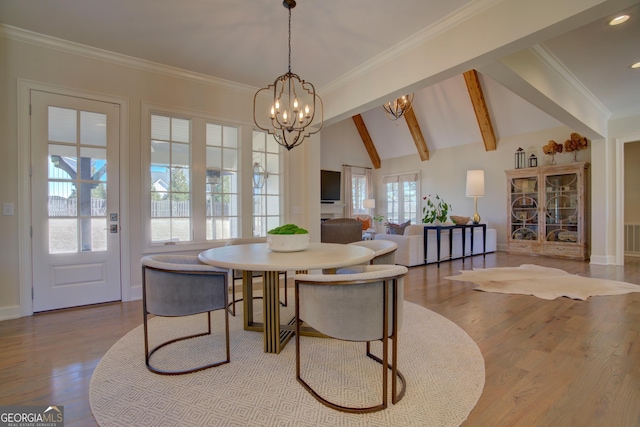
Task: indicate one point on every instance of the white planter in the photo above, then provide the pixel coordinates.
(287, 242)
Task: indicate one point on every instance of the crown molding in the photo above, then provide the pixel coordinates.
(451, 21)
(26, 36)
(547, 57)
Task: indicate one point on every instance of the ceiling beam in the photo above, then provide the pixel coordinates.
(416, 133)
(367, 141)
(480, 108)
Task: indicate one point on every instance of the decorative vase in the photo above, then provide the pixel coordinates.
(553, 159)
(575, 155)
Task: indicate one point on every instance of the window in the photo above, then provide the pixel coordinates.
(358, 193)
(222, 182)
(267, 202)
(170, 179)
(402, 198)
(194, 179)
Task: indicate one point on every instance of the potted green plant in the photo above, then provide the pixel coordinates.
(287, 238)
(435, 209)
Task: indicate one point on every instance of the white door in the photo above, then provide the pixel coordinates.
(74, 199)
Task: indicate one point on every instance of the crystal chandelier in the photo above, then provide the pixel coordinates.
(396, 108)
(294, 106)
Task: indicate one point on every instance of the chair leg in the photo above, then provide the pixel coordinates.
(148, 354)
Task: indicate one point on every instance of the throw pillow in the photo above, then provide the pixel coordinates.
(365, 222)
(397, 228)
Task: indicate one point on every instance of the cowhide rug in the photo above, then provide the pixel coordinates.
(542, 282)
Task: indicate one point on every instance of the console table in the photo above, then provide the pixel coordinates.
(451, 228)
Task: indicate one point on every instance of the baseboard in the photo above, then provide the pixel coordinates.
(10, 312)
(135, 293)
(602, 260)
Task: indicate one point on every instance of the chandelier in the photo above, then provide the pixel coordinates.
(396, 108)
(294, 105)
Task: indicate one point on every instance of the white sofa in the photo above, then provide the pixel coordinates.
(410, 250)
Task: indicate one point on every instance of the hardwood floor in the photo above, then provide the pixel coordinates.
(548, 363)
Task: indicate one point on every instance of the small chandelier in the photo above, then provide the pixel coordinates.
(290, 121)
(396, 108)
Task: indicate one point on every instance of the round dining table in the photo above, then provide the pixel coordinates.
(257, 257)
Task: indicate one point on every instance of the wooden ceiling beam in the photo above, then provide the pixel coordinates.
(366, 140)
(416, 133)
(480, 108)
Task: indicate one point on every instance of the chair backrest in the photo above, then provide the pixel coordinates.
(385, 250)
(178, 285)
(350, 306)
(341, 230)
(245, 241)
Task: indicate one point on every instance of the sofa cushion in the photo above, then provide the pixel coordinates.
(397, 228)
(413, 230)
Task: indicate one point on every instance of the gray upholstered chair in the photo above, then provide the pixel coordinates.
(236, 275)
(385, 250)
(363, 306)
(341, 230)
(178, 285)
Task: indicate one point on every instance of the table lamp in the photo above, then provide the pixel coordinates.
(475, 189)
(369, 203)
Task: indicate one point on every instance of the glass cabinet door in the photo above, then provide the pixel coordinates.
(524, 208)
(561, 208)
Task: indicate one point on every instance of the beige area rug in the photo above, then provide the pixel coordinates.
(443, 367)
(542, 282)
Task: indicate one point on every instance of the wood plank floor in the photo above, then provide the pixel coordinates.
(548, 363)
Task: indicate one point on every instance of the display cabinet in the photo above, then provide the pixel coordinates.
(547, 210)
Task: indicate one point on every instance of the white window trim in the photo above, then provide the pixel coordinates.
(147, 110)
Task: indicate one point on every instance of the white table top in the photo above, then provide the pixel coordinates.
(256, 257)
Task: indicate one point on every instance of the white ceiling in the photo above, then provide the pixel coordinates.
(245, 41)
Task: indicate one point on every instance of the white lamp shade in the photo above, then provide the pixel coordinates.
(475, 183)
(369, 203)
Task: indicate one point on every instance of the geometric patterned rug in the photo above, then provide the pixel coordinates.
(542, 282)
(443, 367)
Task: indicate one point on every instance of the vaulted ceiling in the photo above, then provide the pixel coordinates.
(537, 64)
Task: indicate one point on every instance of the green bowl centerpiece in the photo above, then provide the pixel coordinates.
(287, 238)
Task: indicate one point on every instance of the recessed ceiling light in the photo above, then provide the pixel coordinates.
(619, 20)
(636, 65)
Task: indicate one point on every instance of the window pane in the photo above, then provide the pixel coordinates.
(273, 205)
(259, 143)
(160, 128)
(272, 144)
(180, 229)
(180, 155)
(230, 137)
(214, 158)
(63, 236)
(60, 201)
(214, 135)
(180, 180)
(93, 128)
(180, 130)
(62, 161)
(63, 124)
(273, 163)
(273, 184)
(96, 160)
(160, 153)
(99, 234)
(160, 229)
(230, 159)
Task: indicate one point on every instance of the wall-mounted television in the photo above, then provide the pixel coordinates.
(329, 186)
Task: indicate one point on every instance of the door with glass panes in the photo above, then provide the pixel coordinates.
(74, 199)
